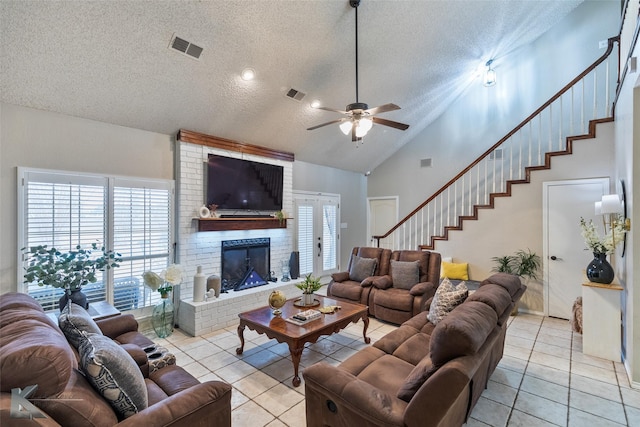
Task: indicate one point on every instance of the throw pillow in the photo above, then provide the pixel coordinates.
(114, 374)
(447, 298)
(405, 274)
(361, 268)
(457, 271)
(73, 321)
(444, 259)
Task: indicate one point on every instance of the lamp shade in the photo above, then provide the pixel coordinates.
(611, 204)
(345, 127)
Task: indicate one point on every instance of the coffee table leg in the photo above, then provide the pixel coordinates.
(240, 349)
(296, 355)
(365, 320)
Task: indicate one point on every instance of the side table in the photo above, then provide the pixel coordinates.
(601, 320)
(97, 310)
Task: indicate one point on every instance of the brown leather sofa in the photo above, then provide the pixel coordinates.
(34, 351)
(419, 374)
(387, 300)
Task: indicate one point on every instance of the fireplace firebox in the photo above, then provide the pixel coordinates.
(246, 263)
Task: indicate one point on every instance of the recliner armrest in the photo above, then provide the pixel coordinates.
(115, 326)
(382, 282)
(340, 277)
(424, 288)
(210, 401)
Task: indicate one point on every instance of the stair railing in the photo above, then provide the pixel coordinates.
(569, 112)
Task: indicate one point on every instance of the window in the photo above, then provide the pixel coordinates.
(131, 216)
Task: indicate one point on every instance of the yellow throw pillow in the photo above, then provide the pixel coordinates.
(455, 271)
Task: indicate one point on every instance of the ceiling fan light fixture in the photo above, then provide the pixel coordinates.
(345, 127)
(363, 126)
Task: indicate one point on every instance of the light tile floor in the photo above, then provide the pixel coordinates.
(542, 380)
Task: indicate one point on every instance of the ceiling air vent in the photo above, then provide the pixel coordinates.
(185, 47)
(425, 163)
(295, 94)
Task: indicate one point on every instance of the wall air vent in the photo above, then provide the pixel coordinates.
(425, 163)
(496, 154)
(295, 94)
(185, 47)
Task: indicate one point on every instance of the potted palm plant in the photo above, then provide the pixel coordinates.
(523, 263)
(308, 287)
(69, 270)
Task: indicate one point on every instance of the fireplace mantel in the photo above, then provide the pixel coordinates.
(223, 224)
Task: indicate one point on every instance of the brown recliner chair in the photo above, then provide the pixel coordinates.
(357, 289)
(399, 302)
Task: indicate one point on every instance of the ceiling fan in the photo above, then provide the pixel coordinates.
(360, 118)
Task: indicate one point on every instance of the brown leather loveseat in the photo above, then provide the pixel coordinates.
(34, 351)
(420, 374)
(399, 287)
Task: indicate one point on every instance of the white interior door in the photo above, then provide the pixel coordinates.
(317, 223)
(564, 202)
(382, 215)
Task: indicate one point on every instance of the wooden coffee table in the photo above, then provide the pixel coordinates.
(263, 321)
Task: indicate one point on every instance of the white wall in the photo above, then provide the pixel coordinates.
(40, 139)
(480, 117)
(627, 136)
(352, 188)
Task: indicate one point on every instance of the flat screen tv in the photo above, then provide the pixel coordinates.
(237, 184)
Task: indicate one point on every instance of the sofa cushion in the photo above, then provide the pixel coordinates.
(458, 271)
(74, 320)
(405, 274)
(394, 339)
(349, 290)
(394, 299)
(462, 332)
(114, 374)
(494, 296)
(423, 370)
(414, 349)
(361, 268)
(446, 298)
(377, 373)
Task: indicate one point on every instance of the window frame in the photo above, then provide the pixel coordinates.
(109, 183)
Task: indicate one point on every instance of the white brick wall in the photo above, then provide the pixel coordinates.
(204, 248)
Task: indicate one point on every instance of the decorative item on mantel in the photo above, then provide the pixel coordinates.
(285, 271)
(308, 287)
(599, 270)
(162, 317)
(214, 283)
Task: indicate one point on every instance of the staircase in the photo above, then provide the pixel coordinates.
(570, 115)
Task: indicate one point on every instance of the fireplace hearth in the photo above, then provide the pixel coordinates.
(245, 263)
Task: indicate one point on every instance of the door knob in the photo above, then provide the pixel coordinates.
(553, 257)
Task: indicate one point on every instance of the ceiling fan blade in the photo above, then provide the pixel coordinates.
(390, 123)
(332, 109)
(382, 109)
(327, 123)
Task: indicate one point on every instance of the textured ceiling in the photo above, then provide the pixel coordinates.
(109, 61)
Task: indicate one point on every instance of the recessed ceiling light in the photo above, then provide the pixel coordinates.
(315, 103)
(248, 74)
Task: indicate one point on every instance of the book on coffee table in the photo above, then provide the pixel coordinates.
(304, 317)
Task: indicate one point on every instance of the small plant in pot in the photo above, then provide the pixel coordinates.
(524, 264)
(308, 287)
(69, 270)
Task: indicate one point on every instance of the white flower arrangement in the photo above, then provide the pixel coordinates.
(165, 281)
(606, 244)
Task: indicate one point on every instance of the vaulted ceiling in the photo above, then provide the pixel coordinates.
(110, 61)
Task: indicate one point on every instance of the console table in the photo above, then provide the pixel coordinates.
(601, 320)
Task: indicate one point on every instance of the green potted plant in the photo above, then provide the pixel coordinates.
(523, 263)
(308, 287)
(67, 270)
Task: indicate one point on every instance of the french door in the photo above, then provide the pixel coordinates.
(317, 217)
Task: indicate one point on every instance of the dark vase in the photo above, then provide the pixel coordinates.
(599, 270)
(76, 296)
